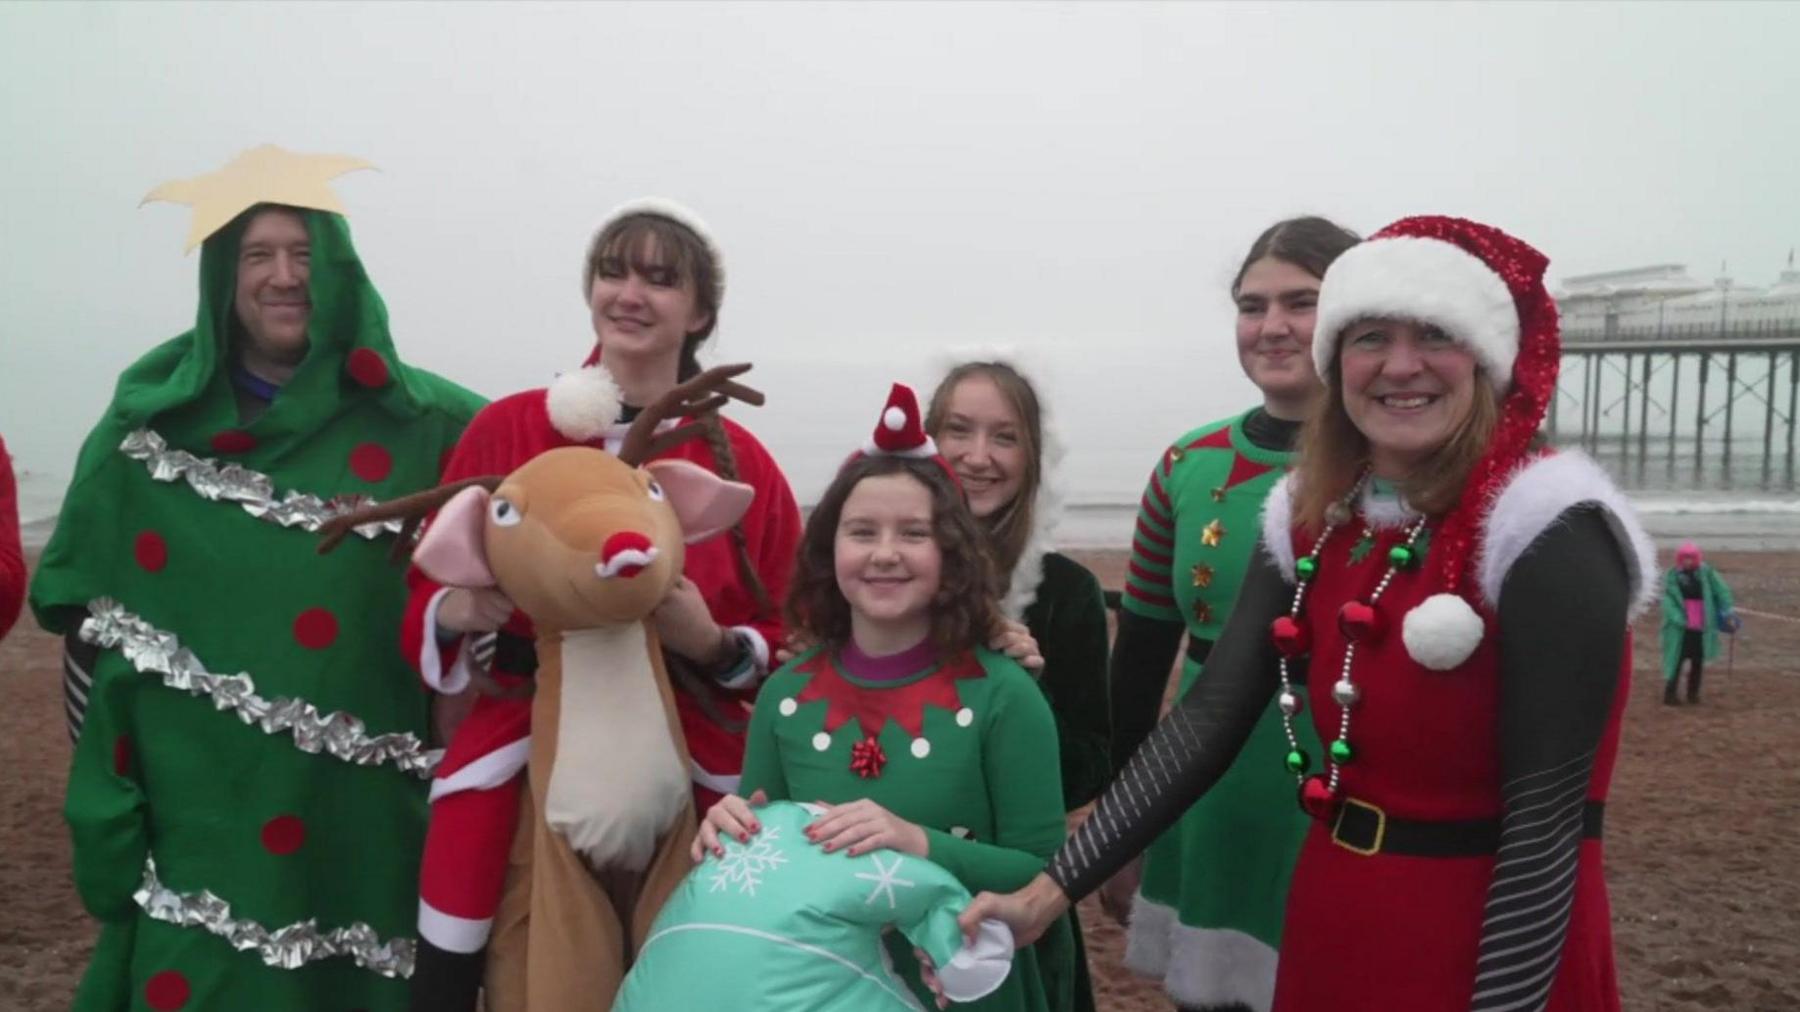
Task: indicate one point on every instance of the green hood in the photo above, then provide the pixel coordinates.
(182, 388)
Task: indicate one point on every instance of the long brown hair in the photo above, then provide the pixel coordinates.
(964, 609)
(1334, 452)
(1007, 529)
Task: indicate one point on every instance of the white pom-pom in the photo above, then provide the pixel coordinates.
(1442, 631)
(583, 404)
(893, 419)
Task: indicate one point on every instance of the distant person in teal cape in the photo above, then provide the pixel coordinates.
(1696, 607)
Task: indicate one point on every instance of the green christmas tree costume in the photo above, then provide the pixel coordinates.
(1207, 920)
(965, 748)
(253, 759)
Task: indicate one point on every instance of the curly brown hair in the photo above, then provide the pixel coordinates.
(964, 611)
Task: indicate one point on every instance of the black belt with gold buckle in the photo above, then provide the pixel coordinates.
(1366, 829)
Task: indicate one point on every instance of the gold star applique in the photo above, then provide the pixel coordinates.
(1212, 534)
(1202, 612)
(1203, 575)
(261, 175)
(1175, 454)
(1218, 494)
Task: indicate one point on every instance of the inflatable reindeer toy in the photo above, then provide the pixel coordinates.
(587, 544)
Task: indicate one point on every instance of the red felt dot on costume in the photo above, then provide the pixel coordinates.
(370, 462)
(233, 441)
(151, 551)
(166, 991)
(122, 755)
(283, 834)
(367, 367)
(315, 629)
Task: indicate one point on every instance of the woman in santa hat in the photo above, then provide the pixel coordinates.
(1449, 605)
(654, 281)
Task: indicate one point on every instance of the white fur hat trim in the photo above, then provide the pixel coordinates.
(1427, 281)
(1442, 631)
(583, 404)
(663, 207)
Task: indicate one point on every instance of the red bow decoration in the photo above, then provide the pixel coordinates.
(867, 758)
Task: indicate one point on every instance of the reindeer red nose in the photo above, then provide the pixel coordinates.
(625, 554)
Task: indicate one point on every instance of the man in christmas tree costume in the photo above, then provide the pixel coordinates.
(247, 798)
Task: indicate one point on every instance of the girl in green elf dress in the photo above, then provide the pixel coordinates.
(1207, 917)
(995, 432)
(912, 734)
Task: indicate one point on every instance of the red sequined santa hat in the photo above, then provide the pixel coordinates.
(900, 432)
(1485, 289)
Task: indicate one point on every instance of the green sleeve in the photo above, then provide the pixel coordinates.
(1070, 627)
(1019, 734)
(1149, 587)
(105, 808)
(762, 755)
(1674, 611)
(1722, 601)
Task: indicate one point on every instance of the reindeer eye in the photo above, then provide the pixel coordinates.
(656, 492)
(504, 513)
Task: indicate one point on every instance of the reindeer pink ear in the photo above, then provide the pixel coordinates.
(452, 551)
(704, 502)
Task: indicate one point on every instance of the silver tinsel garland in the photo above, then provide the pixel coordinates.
(249, 489)
(289, 947)
(154, 651)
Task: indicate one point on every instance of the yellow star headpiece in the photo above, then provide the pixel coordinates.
(261, 175)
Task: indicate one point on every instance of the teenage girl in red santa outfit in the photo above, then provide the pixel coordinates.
(654, 280)
(1449, 605)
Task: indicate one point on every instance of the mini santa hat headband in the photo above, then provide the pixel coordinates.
(900, 432)
(1485, 289)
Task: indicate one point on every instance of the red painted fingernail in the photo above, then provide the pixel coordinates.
(743, 837)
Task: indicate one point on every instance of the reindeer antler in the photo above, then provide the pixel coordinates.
(706, 392)
(413, 509)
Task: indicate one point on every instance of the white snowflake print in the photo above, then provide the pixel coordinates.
(744, 865)
(885, 881)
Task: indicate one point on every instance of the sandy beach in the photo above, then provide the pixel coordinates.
(1701, 829)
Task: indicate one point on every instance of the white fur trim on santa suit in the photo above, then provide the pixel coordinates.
(452, 933)
(431, 660)
(1199, 967)
(1278, 525)
(1426, 281)
(1149, 937)
(491, 770)
(583, 404)
(719, 783)
(1046, 512)
(1385, 512)
(663, 207)
(1536, 496)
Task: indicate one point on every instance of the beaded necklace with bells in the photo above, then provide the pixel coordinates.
(1359, 622)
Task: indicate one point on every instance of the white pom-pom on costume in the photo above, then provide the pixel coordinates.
(583, 404)
(1442, 631)
(894, 419)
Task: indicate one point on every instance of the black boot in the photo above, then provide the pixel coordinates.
(445, 981)
(1669, 698)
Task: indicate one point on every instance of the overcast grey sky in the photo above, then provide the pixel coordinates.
(885, 179)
